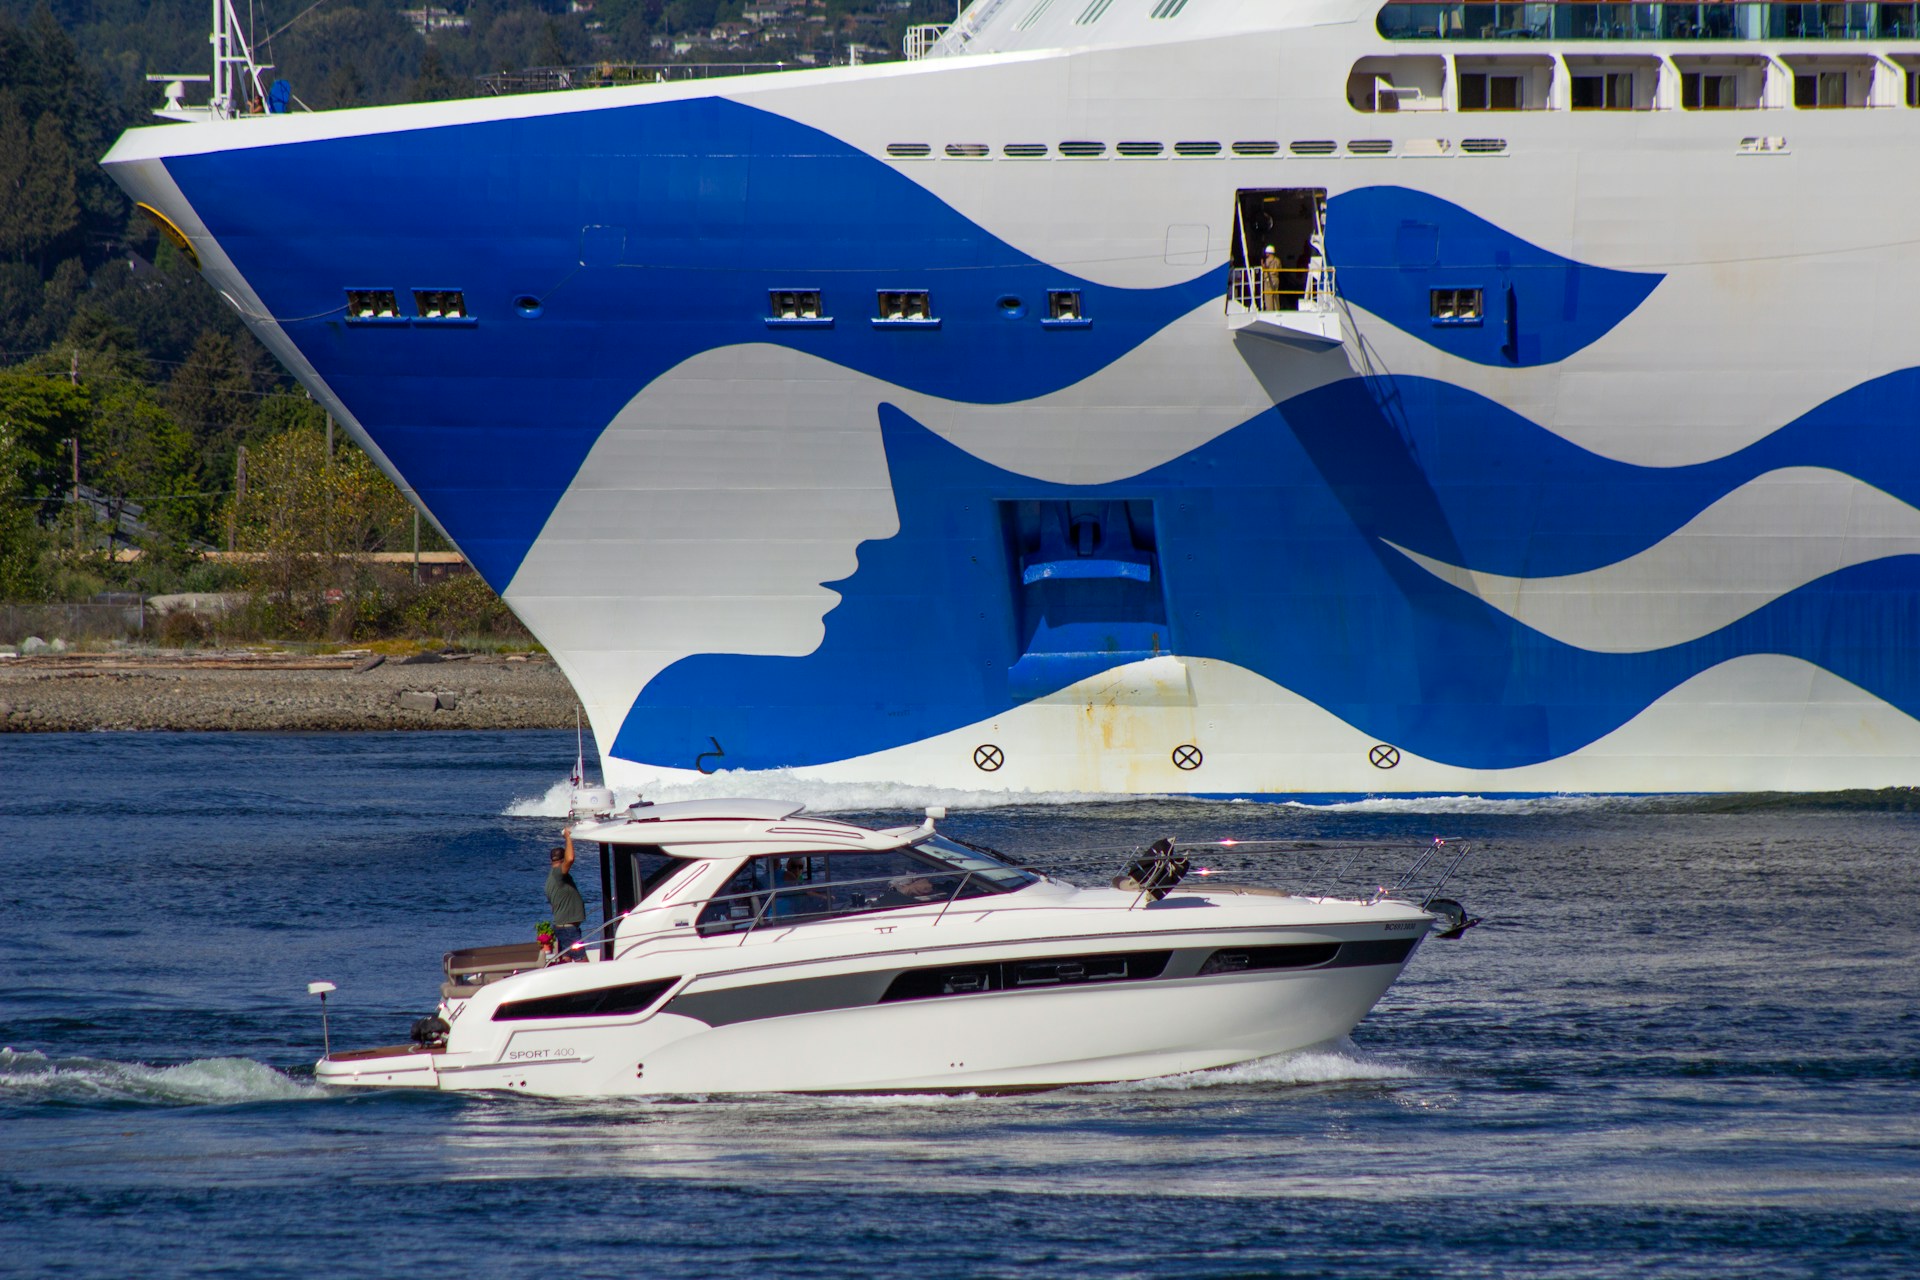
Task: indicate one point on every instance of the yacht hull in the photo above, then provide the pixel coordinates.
(991, 1042)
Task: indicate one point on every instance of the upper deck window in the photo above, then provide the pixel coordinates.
(1715, 20)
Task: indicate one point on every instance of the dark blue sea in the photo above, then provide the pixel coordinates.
(1685, 1042)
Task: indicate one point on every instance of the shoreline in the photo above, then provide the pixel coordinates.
(256, 691)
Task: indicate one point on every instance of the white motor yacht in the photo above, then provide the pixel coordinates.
(749, 948)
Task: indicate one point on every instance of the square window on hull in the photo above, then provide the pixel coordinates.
(793, 304)
(1456, 306)
(904, 304)
(440, 304)
(372, 304)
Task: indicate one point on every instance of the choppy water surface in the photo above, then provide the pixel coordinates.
(1685, 1043)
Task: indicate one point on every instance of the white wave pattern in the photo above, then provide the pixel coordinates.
(1771, 536)
(855, 797)
(819, 796)
(28, 1076)
(1336, 1064)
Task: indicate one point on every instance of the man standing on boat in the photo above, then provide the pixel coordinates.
(563, 896)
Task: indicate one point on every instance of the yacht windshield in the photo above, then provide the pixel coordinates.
(985, 864)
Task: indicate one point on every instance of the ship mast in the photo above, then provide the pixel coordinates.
(237, 83)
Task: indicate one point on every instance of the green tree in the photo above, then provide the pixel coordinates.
(16, 164)
(137, 457)
(310, 519)
(40, 414)
(22, 541)
(212, 396)
(49, 190)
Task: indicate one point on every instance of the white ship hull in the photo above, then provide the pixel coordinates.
(1645, 521)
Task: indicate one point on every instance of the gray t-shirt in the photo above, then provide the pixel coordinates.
(563, 895)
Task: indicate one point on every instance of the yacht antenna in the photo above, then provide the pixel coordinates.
(326, 1039)
(579, 762)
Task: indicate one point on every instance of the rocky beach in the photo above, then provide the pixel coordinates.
(270, 690)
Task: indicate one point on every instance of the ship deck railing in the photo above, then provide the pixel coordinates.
(1257, 289)
(607, 75)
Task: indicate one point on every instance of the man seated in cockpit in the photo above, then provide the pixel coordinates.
(909, 891)
(791, 900)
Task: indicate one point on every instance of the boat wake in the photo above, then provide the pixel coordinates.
(29, 1079)
(1342, 1064)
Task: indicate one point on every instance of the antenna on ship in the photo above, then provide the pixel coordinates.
(237, 80)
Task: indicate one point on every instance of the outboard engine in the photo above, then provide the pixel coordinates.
(1450, 918)
(1154, 872)
(430, 1032)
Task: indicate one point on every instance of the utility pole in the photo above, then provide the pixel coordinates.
(73, 376)
(327, 521)
(239, 491)
(75, 442)
(416, 546)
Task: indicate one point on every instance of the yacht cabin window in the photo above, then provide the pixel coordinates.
(798, 888)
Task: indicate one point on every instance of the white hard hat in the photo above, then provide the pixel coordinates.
(1269, 248)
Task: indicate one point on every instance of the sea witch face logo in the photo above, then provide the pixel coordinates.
(1311, 545)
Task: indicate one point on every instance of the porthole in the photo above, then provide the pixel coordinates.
(527, 305)
(1024, 150)
(1011, 307)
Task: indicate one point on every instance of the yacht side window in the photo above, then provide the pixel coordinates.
(800, 888)
(738, 902)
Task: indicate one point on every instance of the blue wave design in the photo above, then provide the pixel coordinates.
(1269, 538)
(490, 424)
(1391, 246)
(1450, 474)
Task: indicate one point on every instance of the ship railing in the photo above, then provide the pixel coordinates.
(1286, 289)
(607, 75)
(920, 39)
